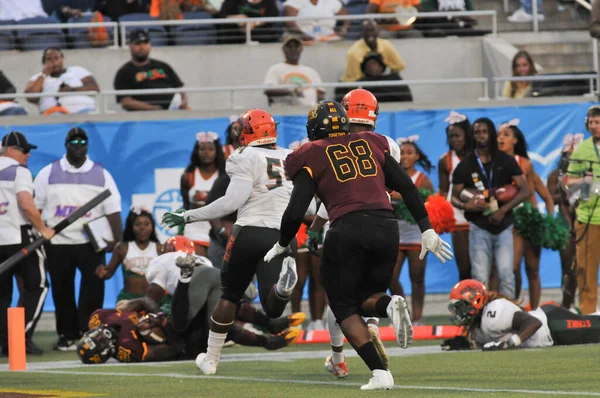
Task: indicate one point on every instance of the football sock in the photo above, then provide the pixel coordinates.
(336, 337)
(215, 343)
(369, 355)
(381, 306)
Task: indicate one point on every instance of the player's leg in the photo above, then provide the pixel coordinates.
(246, 312)
(417, 280)
(532, 269)
(236, 275)
(395, 285)
(569, 282)
(460, 241)
(91, 288)
(302, 260)
(567, 328)
(243, 336)
(336, 362)
(519, 253)
(317, 299)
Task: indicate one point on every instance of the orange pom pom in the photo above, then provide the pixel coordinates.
(441, 214)
(302, 235)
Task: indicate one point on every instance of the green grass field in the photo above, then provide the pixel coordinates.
(297, 371)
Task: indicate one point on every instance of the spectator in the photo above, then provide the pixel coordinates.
(490, 225)
(315, 30)
(236, 33)
(9, 107)
(370, 41)
(175, 9)
(60, 188)
(395, 27)
(291, 72)
(587, 224)
(522, 65)
(55, 78)
(116, 8)
(373, 69)
(144, 73)
(16, 10)
(595, 20)
(524, 14)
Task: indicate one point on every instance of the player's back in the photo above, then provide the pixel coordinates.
(271, 187)
(348, 171)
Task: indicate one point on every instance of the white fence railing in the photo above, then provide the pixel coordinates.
(591, 77)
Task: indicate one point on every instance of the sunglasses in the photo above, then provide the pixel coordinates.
(22, 150)
(78, 142)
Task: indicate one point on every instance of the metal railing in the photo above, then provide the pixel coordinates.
(535, 11)
(83, 25)
(587, 76)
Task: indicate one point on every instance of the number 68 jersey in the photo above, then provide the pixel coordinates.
(348, 171)
(271, 187)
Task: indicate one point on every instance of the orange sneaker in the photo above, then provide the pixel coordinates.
(339, 370)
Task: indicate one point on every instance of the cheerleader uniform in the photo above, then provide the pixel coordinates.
(135, 264)
(198, 231)
(452, 160)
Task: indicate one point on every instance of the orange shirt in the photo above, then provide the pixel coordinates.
(392, 7)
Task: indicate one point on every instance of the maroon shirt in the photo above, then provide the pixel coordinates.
(129, 347)
(348, 171)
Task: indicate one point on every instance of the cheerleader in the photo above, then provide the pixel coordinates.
(232, 134)
(410, 235)
(512, 142)
(459, 135)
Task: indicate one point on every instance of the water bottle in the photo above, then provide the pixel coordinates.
(317, 34)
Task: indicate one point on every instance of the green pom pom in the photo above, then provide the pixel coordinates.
(402, 211)
(555, 233)
(529, 223)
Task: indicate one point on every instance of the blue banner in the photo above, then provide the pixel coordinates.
(146, 159)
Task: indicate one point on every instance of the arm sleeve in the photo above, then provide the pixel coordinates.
(397, 179)
(303, 193)
(23, 182)
(237, 194)
(112, 204)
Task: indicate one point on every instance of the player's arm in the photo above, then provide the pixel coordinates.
(525, 326)
(140, 304)
(397, 179)
(163, 352)
(303, 193)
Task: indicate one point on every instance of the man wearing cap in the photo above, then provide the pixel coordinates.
(143, 73)
(60, 188)
(291, 72)
(17, 216)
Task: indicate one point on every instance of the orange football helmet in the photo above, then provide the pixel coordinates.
(257, 128)
(362, 107)
(179, 244)
(467, 299)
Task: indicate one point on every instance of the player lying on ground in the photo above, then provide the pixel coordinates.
(494, 322)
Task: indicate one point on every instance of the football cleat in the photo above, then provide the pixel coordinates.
(297, 318)
(376, 339)
(381, 380)
(186, 265)
(206, 365)
(283, 339)
(339, 370)
(397, 311)
(278, 325)
(287, 277)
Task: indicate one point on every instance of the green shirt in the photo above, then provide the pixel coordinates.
(587, 208)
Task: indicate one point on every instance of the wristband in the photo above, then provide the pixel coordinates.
(514, 341)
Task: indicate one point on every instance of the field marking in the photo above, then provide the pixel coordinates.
(315, 382)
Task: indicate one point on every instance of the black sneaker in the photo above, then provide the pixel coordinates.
(65, 344)
(32, 348)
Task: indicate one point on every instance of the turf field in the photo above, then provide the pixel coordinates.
(297, 371)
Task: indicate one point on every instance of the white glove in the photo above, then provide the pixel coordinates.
(495, 346)
(430, 241)
(275, 251)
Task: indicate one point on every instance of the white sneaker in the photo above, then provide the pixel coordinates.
(206, 366)
(397, 311)
(381, 380)
(287, 277)
(522, 16)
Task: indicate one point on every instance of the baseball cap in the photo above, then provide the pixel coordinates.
(76, 132)
(139, 36)
(14, 138)
(291, 38)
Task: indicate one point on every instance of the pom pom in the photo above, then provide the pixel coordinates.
(555, 233)
(529, 222)
(302, 235)
(441, 214)
(402, 211)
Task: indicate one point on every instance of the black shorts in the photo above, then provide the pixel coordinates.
(359, 254)
(567, 328)
(243, 258)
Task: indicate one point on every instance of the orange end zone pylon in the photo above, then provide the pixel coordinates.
(17, 359)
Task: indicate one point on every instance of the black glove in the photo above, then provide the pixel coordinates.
(312, 243)
(456, 343)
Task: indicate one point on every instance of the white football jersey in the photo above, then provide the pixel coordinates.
(496, 324)
(163, 272)
(271, 188)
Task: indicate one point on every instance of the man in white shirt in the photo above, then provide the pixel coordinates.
(55, 78)
(16, 10)
(317, 29)
(17, 215)
(291, 72)
(60, 188)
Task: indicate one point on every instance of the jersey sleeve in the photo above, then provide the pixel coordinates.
(129, 347)
(394, 148)
(498, 316)
(296, 161)
(240, 165)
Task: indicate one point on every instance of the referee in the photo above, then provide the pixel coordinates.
(60, 188)
(17, 214)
